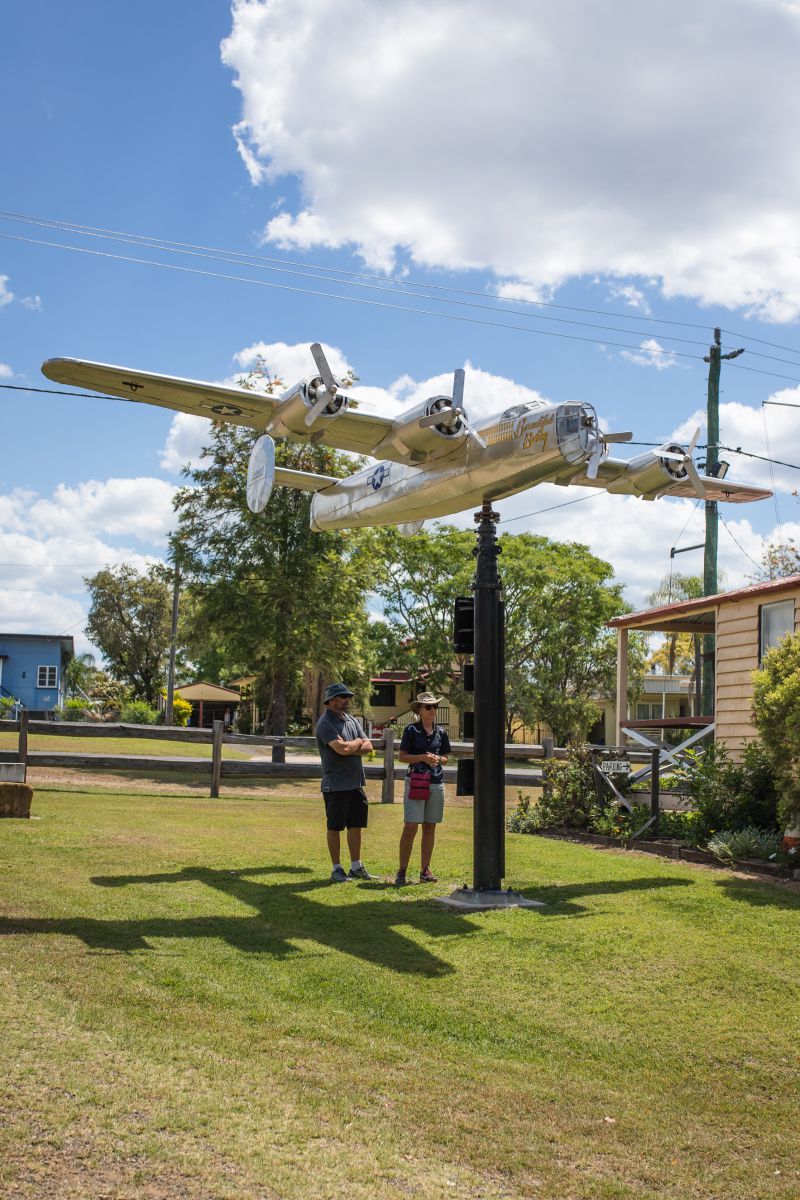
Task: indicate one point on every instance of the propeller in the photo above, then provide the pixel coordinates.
(676, 454)
(596, 457)
(326, 390)
(452, 411)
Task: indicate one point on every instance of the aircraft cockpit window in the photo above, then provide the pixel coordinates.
(518, 410)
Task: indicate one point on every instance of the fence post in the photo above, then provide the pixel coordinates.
(654, 788)
(387, 790)
(279, 752)
(216, 758)
(547, 746)
(23, 740)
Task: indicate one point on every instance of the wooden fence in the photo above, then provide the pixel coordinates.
(220, 768)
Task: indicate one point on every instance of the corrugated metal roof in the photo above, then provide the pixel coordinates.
(706, 604)
(207, 691)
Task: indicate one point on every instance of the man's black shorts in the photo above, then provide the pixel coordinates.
(346, 810)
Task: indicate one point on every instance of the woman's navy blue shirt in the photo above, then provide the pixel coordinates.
(416, 741)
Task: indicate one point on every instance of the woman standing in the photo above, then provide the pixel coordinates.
(425, 747)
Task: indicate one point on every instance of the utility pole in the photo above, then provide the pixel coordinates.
(710, 582)
(176, 584)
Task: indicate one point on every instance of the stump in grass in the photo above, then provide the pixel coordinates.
(15, 799)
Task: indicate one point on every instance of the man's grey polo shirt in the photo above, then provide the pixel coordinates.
(340, 772)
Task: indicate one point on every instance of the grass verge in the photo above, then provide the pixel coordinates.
(190, 1010)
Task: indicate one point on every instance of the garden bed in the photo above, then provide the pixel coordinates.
(668, 848)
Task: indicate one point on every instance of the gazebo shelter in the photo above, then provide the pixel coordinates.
(210, 703)
(745, 624)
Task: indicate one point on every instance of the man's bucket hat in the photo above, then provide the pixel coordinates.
(336, 689)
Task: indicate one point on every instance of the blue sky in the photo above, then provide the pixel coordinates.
(641, 163)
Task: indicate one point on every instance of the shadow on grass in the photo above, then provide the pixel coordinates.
(561, 901)
(283, 912)
(365, 926)
(766, 894)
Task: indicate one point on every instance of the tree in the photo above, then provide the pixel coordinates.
(780, 560)
(129, 621)
(269, 596)
(776, 710)
(558, 598)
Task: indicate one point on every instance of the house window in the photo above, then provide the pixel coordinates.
(46, 677)
(775, 620)
(383, 695)
(648, 712)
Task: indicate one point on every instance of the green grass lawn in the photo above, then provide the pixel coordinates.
(190, 1010)
(152, 747)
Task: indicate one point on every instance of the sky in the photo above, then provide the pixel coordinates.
(575, 194)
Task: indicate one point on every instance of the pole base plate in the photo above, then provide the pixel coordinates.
(468, 899)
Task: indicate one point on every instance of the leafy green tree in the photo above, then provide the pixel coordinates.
(780, 560)
(129, 621)
(558, 598)
(776, 710)
(269, 596)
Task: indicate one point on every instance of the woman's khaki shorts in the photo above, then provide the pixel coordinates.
(430, 811)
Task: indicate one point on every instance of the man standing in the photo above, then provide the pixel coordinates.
(342, 742)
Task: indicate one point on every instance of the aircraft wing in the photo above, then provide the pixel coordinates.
(213, 400)
(646, 476)
(355, 431)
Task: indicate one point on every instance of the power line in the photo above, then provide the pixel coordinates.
(338, 296)
(739, 544)
(163, 243)
(395, 286)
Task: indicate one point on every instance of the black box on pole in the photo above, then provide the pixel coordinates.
(469, 726)
(464, 625)
(469, 677)
(465, 777)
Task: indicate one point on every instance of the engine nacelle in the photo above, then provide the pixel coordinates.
(651, 474)
(289, 418)
(406, 431)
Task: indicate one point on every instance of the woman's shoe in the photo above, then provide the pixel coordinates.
(427, 876)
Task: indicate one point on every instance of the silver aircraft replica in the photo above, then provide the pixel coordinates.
(432, 460)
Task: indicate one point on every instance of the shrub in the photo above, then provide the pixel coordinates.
(73, 709)
(569, 791)
(729, 795)
(776, 711)
(138, 712)
(750, 842)
(525, 818)
(6, 705)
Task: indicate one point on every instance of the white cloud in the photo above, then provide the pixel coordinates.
(650, 354)
(34, 303)
(138, 508)
(5, 371)
(187, 437)
(48, 546)
(644, 142)
(5, 295)
(634, 297)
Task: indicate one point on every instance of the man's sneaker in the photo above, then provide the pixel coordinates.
(339, 875)
(400, 879)
(427, 876)
(360, 873)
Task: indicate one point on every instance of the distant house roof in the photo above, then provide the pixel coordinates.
(207, 691)
(243, 681)
(698, 615)
(391, 677)
(67, 643)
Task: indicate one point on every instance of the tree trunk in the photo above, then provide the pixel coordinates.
(276, 718)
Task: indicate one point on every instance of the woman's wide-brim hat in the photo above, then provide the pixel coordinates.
(425, 698)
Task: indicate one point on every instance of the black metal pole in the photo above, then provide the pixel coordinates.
(489, 805)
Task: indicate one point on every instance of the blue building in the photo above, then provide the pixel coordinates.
(32, 670)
